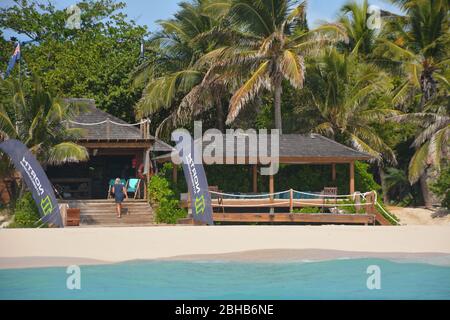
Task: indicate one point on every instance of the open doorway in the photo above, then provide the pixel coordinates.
(89, 180)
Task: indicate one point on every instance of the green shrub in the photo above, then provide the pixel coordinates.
(159, 189)
(307, 210)
(168, 211)
(163, 199)
(442, 187)
(26, 213)
(348, 206)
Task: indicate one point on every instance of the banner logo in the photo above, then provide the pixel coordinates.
(46, 205)
(200, 205)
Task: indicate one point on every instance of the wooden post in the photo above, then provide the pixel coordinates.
(175, 173)
(147, 128)
(333, 172)
(291, 201)
(370, 200)
(357, 203)
(255, 178)
(352, 177)
(271, 186)
(108, 129)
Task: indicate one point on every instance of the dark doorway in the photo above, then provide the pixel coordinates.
(89, 180)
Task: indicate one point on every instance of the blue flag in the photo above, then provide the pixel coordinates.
(12, 61)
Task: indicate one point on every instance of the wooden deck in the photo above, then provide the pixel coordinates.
(279, 211)
(306, 218)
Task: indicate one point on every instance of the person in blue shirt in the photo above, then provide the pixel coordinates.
(120, 193)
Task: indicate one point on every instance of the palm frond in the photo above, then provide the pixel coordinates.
(293, 68)
(67, 152)
(325, 128)
(418, 163)
(360, 145)
(249, 90)
(438, 143)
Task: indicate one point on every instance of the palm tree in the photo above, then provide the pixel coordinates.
(354, 17)
(273, 44)
(432, 143)
(38, 120)
(173, 72)
(351, 97)
(419, 42)
(397, 185)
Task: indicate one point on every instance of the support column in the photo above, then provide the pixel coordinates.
(255, 178)
(175, 173)
(333, 172)
(352, 177)
(271, 185)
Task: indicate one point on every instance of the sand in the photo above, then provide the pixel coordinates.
(22, 248)
(419, 216)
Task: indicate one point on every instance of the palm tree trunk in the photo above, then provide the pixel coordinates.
(425, 189)
(277, 105)
(428, 89)
(219, 115)
(383, 184)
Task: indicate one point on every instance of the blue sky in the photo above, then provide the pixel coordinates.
(148, 11)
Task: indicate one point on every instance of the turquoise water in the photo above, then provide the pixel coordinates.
(334, 279)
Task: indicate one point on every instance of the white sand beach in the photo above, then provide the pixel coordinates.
(22, 248)
(419, 216)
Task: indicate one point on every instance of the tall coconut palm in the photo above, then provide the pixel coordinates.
(173, 72)
(38, 120)
(355, 18)
(419, 42)
(272, 48)
(351, 98)
(432, 142)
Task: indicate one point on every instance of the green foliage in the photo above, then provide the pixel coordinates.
(307, 210)
(36, 117)
(26, 213)
(442, 187)
(364, 179)
(163, 200)
(212, 53)
(92, 62)
(168, 211)
(158, 189)
(398, 186)
(348, 206)
(351, 96)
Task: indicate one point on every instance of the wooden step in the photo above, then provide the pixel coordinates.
(103, 212)
(87, 219)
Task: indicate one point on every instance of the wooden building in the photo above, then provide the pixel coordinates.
(293, 149)
(116, 149)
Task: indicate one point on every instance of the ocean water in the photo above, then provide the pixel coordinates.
(333, 279)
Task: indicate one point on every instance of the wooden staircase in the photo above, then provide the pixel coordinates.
(102, 213)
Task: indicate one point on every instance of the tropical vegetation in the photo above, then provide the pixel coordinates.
(377, 86)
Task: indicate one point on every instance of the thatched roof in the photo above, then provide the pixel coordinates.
(113, 130)
(294, 148)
